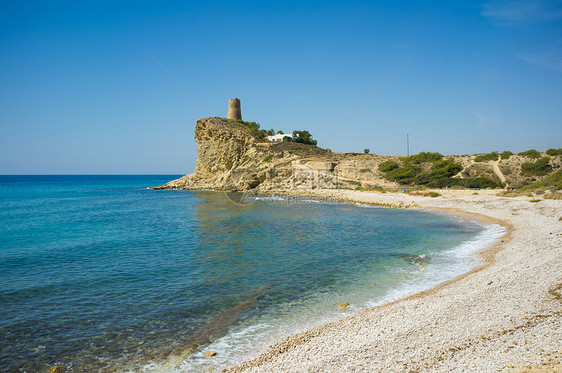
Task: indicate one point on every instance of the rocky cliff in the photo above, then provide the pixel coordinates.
(230, 158)
(224, 147)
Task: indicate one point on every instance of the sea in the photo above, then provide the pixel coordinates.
(102, 273)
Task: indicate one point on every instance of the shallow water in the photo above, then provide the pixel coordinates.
(101, 273)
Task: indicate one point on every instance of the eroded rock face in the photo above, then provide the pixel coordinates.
(229, 158)
(223, 147)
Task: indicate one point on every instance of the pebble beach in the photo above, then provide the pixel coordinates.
(504, 316)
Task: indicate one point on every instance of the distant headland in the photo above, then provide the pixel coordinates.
(235, 155)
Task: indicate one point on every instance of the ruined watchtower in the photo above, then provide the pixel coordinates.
(234, 111)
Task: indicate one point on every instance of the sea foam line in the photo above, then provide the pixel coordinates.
(447, 265)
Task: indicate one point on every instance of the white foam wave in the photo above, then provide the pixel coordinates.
(445, 266)
(291, 199)
(269, 198)
(358, 204)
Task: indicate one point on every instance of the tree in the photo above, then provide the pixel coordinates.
(554, 152)
(388, 165)
(303, 137)
(506, 154)
(423, 157)
(541, 167)
(403, 175)
(366, 151)
(532, 153)
(493, 156)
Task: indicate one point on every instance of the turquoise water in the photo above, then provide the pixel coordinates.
(101, 273)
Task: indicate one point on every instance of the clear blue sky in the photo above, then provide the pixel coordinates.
(80, 93)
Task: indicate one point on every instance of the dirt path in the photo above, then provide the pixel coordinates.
(496, 167)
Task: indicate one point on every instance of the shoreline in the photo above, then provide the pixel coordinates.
(314, 349)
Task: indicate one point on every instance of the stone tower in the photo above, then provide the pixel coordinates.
(234, 111)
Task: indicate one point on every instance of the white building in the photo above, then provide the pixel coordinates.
(280, 136)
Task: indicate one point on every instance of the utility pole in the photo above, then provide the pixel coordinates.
(408, 144)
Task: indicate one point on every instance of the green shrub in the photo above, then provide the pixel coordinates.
(410, 172)
(403, 175)
(553, 152)
(255, 129)
(423, 157)
(506, 170)
(440, 175)
(539, 167)
(445, 168)
(388, 165)
(552, 182)
(506, 154)
(423, 179)
(441, 169)
(493, 156)
(365, 170)
(302, 137)
(532, 153)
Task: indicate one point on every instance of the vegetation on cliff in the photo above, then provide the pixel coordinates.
(552, 183)
(431, 170)
(301, 137)
(549, 187)
(554, 152)
(423, 157)
(532, 153)
(506, 154)
(540, 167)
(255, 130)
(493, 156)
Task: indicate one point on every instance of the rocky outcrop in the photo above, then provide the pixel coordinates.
(225, 148)
(230, 158)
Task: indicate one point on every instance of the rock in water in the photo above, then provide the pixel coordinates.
(343, 305)
(55, 369)
(209, 353)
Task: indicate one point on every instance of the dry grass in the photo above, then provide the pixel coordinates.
(553, 195)
(431, 194)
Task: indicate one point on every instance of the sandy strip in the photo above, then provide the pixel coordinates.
(504, 316)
